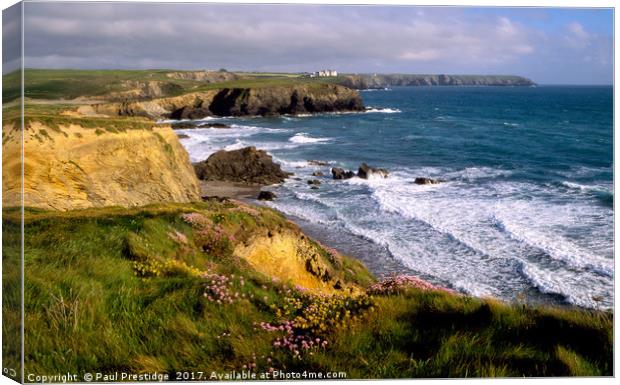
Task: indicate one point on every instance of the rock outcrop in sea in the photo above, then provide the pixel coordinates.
(247, 165)
(424, 180)
(366, 172)
(339, 173)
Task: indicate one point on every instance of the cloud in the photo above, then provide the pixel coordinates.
(577, 31)
(278, 37)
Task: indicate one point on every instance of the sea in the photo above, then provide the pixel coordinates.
(525, 209)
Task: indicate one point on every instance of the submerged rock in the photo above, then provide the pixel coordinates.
(317, 173)
(247, 165)
(317, 163)
(214, 125)
(365, 171)
(182, 125)
(426, 181)
(315, 182)
(266, 196)
(339, 173)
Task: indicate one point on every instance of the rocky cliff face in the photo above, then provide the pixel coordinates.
(294, 99)
(71, 167)
(204, 76)
(381, 81)
(138, 90)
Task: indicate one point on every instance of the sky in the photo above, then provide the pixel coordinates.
(547, 45)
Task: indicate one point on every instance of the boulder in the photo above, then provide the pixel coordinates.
(426, 181)
(317, 173)
(266, 196)
(339, 173)
(247, 165)
(214, 125)
(182, 136)
(182, 125)
(315, 182)
(365, 171)
(317, 163)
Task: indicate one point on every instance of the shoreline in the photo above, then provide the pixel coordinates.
(360, 248)
(226, 189)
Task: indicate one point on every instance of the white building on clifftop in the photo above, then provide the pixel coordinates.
(325, 73)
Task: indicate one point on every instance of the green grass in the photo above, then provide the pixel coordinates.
(119, 289)
(50, 116)
(70, 84)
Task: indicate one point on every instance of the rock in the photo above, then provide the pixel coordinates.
(247, 165)
(426, 181)
(214, 125)
(298, 98)
(317, 163)
(385, 80)
(314, 187)
(315, 182)
(214, 198)
(339, 173)
(365, 171)
(182, 136)
(317, 173)
(182, 125)
(266, 196)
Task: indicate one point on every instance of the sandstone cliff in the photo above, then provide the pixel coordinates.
(204, 76)
(70, 167)
(293, 99)
(366, 81)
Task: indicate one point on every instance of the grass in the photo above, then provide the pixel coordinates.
(70, 83)
(50, 116)
(125, 289)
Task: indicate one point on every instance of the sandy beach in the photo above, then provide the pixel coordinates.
(226, 189)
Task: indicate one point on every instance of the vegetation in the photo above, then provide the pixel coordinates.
(158, 288)
(70, 84)
(51, 115)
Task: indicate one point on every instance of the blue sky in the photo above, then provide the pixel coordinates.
(548, 45)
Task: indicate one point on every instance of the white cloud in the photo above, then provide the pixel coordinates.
(279, 37)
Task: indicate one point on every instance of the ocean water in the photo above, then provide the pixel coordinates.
(526, 209)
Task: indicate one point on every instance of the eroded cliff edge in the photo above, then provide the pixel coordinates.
(369, 81)
(278, 100)
(72, 165)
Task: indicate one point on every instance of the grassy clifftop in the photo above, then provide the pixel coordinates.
(105, 84)
(180, 287)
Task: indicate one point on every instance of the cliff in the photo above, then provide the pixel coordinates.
(81, 164)
(266, 100)
(367, 81)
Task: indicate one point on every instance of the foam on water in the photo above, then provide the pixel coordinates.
(202, 142)
(304, 138)
(370, 110)
(500, 224)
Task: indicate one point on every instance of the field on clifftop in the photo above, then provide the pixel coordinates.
(69, 84)
(187, 287)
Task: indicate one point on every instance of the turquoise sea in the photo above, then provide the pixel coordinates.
(526, 209)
